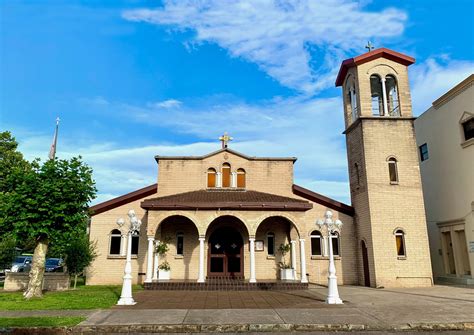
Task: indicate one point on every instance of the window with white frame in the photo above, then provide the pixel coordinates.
(400, 243)
(115, 242)
(335, 243)
(316, 243)
(468, 129)
(376, 95)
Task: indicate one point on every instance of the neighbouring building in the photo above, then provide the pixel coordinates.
(225, 214)
(445, 139)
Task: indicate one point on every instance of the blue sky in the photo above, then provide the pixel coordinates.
(132, 79)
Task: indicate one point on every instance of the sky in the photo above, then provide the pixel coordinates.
(134, 79)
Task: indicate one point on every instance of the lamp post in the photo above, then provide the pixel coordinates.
(135, 223)
(333, 294)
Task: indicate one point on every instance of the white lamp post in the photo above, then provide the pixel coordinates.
(126, 296)
(333, 294)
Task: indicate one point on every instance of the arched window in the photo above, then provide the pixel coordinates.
(135, 242)
(400, 243)
(211, 177)
(180, 244)
(376, 95)
(115, 242)
(352, 99)
(392, 170)
(316, 243)
(392, 96)
(241, 178)
(226, 175)
(335, 243)
(357, 171)
(271, 244)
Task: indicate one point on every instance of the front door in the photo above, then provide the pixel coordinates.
(225, 253)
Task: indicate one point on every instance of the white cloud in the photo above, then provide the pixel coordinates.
(170, 103)
(277, 35)
(434, 77)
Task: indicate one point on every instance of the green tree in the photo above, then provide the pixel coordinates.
(79, 254)
(47, 203)
(7, 251)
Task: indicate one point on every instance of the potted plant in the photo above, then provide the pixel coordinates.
(286, 271)
(164, 268)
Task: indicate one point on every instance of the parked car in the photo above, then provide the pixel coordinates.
(54, 265)
(21, 264)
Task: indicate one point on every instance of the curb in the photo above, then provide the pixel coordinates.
(235, 328)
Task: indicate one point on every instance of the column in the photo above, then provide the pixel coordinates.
(218, 179)
(252, 260)
(155, 262)
(384, 93)
(233, 180)
(304, 278)
(293, 258)
(201, 260)
(149, 263)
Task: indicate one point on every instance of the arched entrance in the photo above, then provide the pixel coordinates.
(225, 257)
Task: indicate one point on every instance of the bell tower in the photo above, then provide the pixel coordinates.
(384, 171)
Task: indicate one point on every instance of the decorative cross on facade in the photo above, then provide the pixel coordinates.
(369, 46)
(225, 139)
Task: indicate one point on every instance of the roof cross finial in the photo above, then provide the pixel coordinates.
(369, 46)
(225, 139)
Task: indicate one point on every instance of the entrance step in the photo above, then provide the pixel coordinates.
(226, 284)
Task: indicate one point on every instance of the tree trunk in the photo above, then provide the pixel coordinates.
(75, 281)
(37, 270)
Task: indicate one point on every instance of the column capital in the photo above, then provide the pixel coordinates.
(251, 238)
(302, 239)
(293, 241)
(201, 238)
(151, 238)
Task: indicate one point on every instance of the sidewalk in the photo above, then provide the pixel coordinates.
(439, 308)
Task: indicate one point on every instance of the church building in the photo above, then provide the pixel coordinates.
(226, 215)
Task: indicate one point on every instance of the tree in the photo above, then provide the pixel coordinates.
(7, 251)
(79, 254)
(48, 203)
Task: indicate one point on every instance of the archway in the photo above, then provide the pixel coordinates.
(226, 236)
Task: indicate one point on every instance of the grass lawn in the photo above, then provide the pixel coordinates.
(49, 321)
(84, 297)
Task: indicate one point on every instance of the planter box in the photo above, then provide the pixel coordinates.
(287, 274)
(164, 275)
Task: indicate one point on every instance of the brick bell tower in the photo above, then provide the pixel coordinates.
(384, 174)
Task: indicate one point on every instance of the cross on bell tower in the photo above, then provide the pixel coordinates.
(369, 46)
(225, 139)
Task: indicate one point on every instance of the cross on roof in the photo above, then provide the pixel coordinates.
(224, 139)
(369, 46)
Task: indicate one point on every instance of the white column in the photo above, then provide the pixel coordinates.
(233, 179)
(149, 263)
(126, 295)
(293, 258)
(385, 104)
(252, 260)
(155, 262)
(218, 179)
(333, 293)
(304, 278)
(201, 260)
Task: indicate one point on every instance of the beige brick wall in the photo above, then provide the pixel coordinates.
(181, 175)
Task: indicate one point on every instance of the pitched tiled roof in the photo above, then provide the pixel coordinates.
(226, 199)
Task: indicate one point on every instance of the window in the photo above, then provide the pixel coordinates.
(376, 94)
(271, 244)
(241, 178)
(316, 243)
(115, 242)
(400, 243)
(392, 170)
(180, 244)
(392, 91)
(135, 241)
(424, 152)
(335, 243)
(225, 175)
(468, 129)
(352, 100)
(356, 166)
(211, 177)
